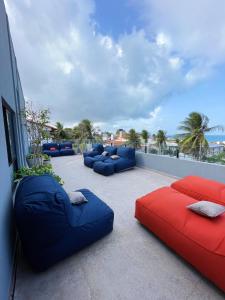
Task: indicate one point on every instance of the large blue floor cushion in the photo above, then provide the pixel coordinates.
(126, 160)
(104, 168)
(50, 227)
(90, 160)
(96, 150)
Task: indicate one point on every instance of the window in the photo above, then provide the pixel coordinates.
(8, 115)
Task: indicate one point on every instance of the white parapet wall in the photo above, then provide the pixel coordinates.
(180, 167)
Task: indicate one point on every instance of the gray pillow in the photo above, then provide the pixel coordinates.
(105, 153)
(207, 208)
(77, 198)
(114, 156)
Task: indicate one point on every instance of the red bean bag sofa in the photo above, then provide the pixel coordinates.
(199, 240)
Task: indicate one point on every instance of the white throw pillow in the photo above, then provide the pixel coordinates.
(207, 208)
(115, 156)
(105, 153)
(77, 198)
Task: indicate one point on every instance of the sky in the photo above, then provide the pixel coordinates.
(122, 63)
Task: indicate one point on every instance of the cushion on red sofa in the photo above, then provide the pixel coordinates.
(170, 206)
(52, 149)
(201, 241)
(201, 188)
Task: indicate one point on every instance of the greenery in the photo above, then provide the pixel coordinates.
(145, 135)
(218, 158)
(37, 170)
(46, 157)
(161, 138)
(84, 130)
(37, 120)
(193, 140)
(59, 133)
(134, 138)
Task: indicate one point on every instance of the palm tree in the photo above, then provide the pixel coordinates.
(193, 137)
(133, 138)
(59, 132)
(145, 136)
(161, 139)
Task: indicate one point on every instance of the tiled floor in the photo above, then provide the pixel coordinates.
(130, 263)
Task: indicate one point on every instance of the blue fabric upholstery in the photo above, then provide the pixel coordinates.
(66, 145)
(60, 149)
(103, 168)
(89, 161)
(47, 146)
(97, 150)
(121, 163)
(124, 162)
(50, 228)
(126, 152)
(46, 149)
(66, 149)
(51, 153)
(111, 150)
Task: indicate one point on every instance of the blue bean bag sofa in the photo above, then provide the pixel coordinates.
(97, 149)
(51, 149)
(125, 161)
(54, 149)
(66, 149)
(89, 160)
(50, 227)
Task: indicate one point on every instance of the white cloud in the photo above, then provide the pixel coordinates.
(162, 40)
(175, 62)
(67, 64)
(154, 114)
(195, 29)
(66, 67)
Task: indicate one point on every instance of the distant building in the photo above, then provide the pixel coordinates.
(49, 129)
(119, 139)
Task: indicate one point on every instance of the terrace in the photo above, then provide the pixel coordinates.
(130, 263)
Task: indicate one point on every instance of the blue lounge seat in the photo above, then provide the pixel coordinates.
(89, 161)
(66, 149)
(50, 227)
(96, 150)
(46, 149)
(103, 168)
(125, 161)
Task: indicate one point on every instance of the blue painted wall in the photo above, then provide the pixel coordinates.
(11, 91)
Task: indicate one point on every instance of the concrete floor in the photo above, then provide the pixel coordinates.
(130, 263)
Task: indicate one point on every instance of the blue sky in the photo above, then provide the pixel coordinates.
(208, 97)
(122, 64)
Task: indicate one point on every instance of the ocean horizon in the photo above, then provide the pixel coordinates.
(212, 138)
(215, 138)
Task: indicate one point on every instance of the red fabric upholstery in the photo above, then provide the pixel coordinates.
(201, 241)
(201, 189)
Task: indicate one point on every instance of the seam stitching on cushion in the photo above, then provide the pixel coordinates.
(182, 233)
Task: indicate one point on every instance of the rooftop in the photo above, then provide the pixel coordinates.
(130, 263)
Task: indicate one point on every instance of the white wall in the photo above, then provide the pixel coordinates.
(180, 167)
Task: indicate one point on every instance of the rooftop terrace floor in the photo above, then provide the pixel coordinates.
(130, 263)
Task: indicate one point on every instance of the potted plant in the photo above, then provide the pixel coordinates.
(37, 132)
(46, 159)
(34, 159)
(37, 171)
